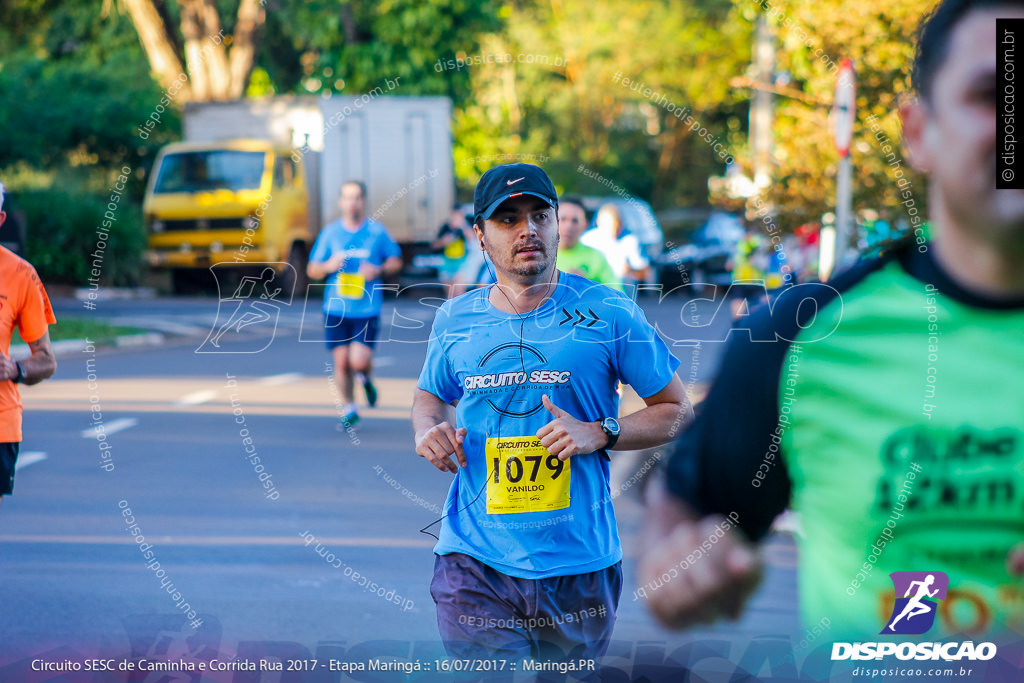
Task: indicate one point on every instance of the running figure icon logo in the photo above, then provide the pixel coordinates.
(254, 306)
(917, 596)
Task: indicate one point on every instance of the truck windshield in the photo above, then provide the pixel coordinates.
(210, 170)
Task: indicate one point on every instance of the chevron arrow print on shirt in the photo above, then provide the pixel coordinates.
(579, 317)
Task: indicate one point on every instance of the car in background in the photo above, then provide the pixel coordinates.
(425, 262)
(637, 219)
(704, 261)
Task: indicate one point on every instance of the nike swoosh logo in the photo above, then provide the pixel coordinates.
(513, 182)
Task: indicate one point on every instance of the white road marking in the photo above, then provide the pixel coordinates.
(109, 428)
(278, 380)
(29, 458)
(197, 397)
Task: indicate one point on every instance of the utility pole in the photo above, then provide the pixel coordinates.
(843, 111)
(763, 68)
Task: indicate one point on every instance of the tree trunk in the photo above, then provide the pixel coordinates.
(204, 50)
(348, 21)
(217, 60)
(243, 45)
(213, 73)
(159, 46)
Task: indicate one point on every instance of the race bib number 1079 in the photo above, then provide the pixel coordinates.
(524, 477)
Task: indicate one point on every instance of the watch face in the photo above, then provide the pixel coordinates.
(611, 425)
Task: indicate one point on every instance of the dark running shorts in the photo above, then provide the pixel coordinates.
(343, 331)
(8, 457)
(483, 613)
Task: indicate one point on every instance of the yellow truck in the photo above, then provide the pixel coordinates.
(255, 180)
(231, 201)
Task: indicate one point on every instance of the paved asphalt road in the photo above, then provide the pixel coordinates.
(74, 581)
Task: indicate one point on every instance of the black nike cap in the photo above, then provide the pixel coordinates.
(507, 181)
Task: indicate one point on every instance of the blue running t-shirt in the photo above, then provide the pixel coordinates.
(346, 293)
(515, 507)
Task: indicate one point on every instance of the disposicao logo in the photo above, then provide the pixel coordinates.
(914, 613)
(917, 596)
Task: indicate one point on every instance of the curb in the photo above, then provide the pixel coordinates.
(69, 346)
(112, 293)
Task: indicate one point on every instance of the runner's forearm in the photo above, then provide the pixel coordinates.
(428, 411)
(42, 364)
(665, 512)
(318, 270)
(650, 426)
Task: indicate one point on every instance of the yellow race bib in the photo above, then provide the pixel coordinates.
(351, 285)
(745, 272)
(524, 477)
(455, 250)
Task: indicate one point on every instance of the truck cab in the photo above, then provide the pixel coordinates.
(237, 202)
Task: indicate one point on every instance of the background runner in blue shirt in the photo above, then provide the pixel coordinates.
(529, 554)
(353, 252)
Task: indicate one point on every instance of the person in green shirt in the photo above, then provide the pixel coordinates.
(889, 412)
(577, 258)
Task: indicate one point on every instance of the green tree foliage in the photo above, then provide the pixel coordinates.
(64, 219)
(351, 47)
(560, 93)
(529, 79)
(75, 87)
(879, 39)
(535, 80)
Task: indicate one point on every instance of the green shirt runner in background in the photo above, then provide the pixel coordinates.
(893, 421)
(590, 263)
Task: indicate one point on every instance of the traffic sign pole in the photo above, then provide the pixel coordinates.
(843, 111)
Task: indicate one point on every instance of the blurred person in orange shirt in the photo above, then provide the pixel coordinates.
(23, 304)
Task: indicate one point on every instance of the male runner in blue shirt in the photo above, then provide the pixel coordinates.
(353, 252)
(529, 554)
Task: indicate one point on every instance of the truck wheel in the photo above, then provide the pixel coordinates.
(183, 281)
(189, 281)
(297, 280)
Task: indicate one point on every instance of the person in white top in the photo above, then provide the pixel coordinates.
(622, 251)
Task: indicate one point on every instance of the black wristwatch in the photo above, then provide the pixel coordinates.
(21, 373)
(610, 426)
